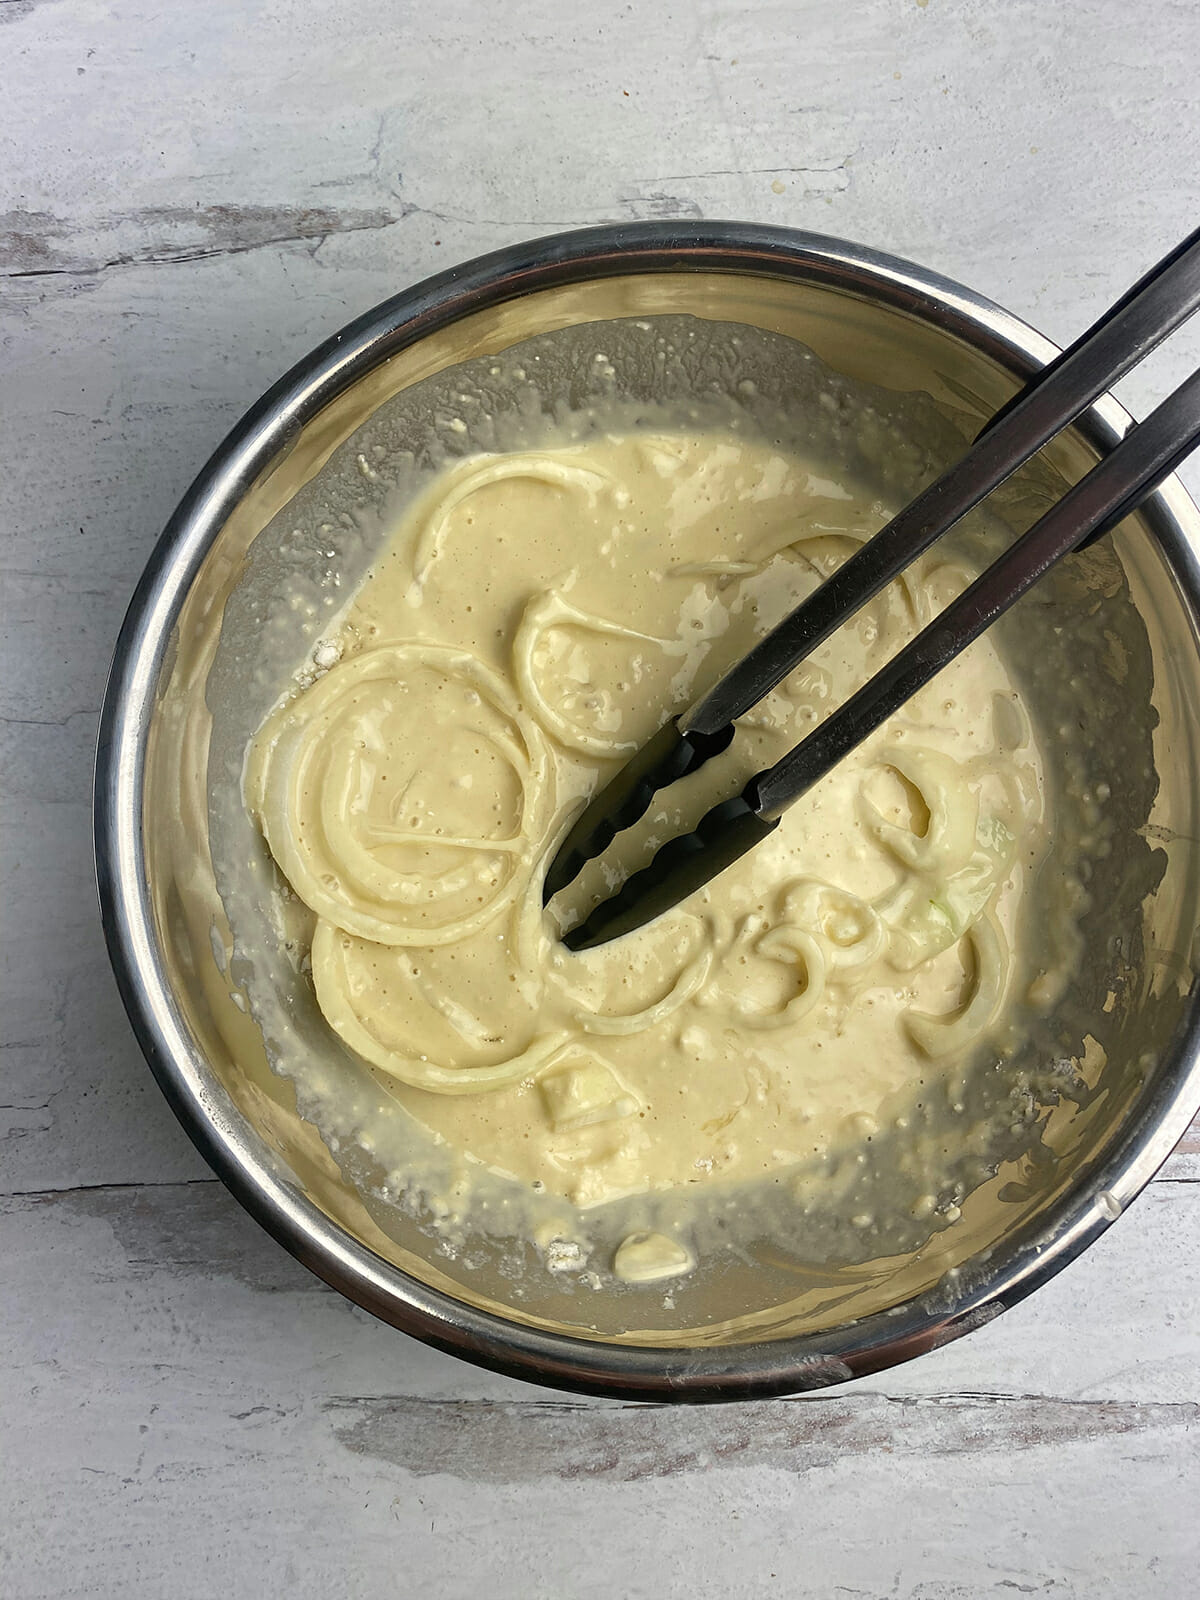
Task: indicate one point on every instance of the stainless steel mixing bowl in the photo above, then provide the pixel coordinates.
(872, 317)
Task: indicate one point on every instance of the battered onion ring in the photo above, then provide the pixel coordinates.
(956, 1033)
(813, 905)
(682, 990)
(947, 843)
(548, 610)
(331, 981)
(531, 940)
(481, 471)
(309, 781)
(786, 945)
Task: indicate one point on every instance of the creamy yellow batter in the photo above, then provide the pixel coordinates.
(534, 619)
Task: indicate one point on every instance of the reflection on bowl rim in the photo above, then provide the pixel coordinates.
(223, 1135)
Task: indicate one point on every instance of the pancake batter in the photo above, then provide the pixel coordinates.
(535, 618)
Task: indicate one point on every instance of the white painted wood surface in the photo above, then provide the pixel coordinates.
(191, 197)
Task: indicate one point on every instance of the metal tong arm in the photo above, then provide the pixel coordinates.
(1156, 305)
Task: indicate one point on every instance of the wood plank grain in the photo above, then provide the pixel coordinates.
(485, 1441)
(177, 1502)
(38, 244)
(187, 1411)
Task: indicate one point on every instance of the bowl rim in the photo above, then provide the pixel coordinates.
(242, 1159)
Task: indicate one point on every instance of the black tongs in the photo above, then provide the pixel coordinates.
(1151, 310)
